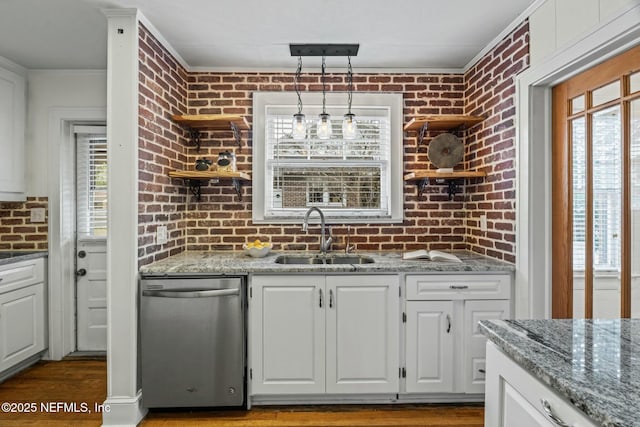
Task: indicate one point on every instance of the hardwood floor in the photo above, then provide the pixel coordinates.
(82, 382)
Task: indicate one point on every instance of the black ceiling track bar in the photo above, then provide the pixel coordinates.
(320, 49)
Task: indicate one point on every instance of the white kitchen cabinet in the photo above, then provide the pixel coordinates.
(287, 340)
(362, 318)
(475, 341)
(316, 334)
(12, 132)
(22, 312)
(515, 398)
(445, 351)
(429, 345)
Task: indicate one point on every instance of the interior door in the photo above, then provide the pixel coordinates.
(596, 196)
(91, 238)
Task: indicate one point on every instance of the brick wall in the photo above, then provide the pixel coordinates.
(490, 92)
(161, 201)
(17, 233)
(222, 221)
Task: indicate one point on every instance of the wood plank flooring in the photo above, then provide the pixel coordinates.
(81, 381)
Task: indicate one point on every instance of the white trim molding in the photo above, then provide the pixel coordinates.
(533, 94)
(122, 239)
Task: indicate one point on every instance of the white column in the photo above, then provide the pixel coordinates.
(123, 391)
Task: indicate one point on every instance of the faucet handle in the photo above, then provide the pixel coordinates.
(327, 243)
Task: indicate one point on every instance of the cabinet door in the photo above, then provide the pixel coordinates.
(362, 334)
(475, 341)
(12, 129)
(287, 334)
(429, 346)
(517, 411)
(21, 324)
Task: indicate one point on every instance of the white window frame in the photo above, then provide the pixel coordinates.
(261, 186)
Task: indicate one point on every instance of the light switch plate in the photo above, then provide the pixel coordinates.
(37, 215)
(161, 235)
(483, 223)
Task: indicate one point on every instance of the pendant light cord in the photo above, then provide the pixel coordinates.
(349, 83)
(324, 101)
(298, 73)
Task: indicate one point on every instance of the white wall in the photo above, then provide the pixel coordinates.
(557, 24)
(48, 89)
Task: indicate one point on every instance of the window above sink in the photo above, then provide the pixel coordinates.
(357, 180)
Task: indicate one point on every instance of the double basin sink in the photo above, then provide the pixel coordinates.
(319, 259)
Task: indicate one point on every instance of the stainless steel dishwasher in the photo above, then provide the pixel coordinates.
(192, 340)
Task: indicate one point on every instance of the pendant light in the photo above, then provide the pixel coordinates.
(299, 121)
(323, 127)
(349, 123)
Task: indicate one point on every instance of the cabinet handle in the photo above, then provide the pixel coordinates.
(482, 371)
(553, 417)
(458, 286)
(448, 323)
(330, 298)
(320, 298)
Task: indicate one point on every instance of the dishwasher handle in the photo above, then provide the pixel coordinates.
(192, 294)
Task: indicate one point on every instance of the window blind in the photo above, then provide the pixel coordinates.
(91, 185)
(347, 178)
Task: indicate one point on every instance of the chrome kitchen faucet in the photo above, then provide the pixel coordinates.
(325, 245)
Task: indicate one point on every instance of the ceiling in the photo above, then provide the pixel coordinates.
(246, 35)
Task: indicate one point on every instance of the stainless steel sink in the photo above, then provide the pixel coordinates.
(349, 259)
(298, 259)
(316, 259)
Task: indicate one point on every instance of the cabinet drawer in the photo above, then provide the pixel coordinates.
(20, 274)
(459, 286)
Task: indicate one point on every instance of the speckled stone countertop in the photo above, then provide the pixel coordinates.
(595, 364)
(8, 257)
(391, 262)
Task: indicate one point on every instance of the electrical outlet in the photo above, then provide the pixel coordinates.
(483, 223)
(37, 215)
(161, 235)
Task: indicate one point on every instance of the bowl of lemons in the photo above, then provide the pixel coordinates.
(257, 249)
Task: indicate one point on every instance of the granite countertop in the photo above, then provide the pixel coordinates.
(8, 257)
(391, 262)
(595, 364)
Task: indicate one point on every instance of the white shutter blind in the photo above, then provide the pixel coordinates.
(606, 181)
(347, 178)
(91, 184)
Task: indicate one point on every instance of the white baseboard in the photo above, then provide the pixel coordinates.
(123, 412)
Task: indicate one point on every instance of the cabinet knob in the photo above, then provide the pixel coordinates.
(81, 272)
(553, 417)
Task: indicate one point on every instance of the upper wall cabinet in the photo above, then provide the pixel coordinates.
(12, 130)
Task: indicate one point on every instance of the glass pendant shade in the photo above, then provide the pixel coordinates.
(299, 126)
(349, 126)
(323, 128)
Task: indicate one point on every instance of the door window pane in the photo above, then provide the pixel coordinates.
(634, 82)
(635, 207)
(579, 188)
(577, 104)
(607, 211)
(605, 94)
